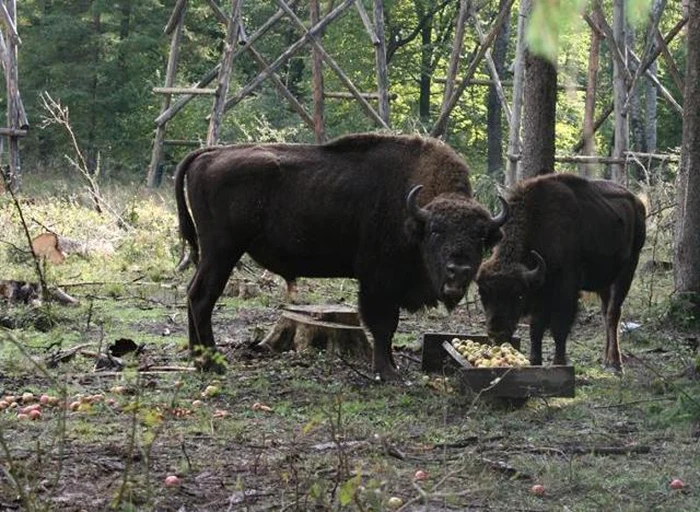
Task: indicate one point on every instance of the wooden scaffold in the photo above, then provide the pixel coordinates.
(239, 42)
(17, 124)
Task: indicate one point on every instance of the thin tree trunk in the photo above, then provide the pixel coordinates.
(92, 130)
(494, 120)
(687, 236)
(650, 99)
(426, 57)
(637, 141)
(539, 116)
(588, 169)
(124, 28)
(518, 82)
(317, 80)
(621, 142)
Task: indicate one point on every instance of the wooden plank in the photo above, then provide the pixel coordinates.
(366, 21)
(175, 16)
(521, 381)
(182, 90)
(668, 59)
(435, 358)
(13, 132)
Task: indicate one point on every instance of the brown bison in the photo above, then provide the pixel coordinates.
(394, 212)
(564, 234)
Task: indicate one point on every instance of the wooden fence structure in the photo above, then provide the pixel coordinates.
(628, 70)
(17, 123)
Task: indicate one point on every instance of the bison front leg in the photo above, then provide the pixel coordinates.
(381, 317)
(204, 290)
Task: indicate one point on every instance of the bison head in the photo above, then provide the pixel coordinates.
(504, 291)
(452, 231)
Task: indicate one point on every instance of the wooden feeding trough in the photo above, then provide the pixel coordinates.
(330, 327)
(503, 382)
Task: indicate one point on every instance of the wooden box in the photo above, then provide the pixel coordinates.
(505, 382)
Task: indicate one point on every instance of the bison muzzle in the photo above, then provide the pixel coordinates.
(394, 212)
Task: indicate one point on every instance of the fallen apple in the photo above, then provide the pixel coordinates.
(420, 475)
(34, 414)
(676, 484)
(537, 489)
(44, 399)
(197, 403)
(27, 398)
(172, 481)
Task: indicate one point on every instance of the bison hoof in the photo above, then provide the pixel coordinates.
(388, 374)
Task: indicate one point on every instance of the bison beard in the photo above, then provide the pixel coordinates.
(394, 212)
(564, 234)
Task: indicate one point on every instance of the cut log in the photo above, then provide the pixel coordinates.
(322, 327)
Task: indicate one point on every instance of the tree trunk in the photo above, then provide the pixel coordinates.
(589, 110)
(514, 149)
(650, 101)
(124, 28)
(637, 140)
(494, 121)
(687, 236)
(92, 126)
(621, 141)
(539, 116)
(426, 57)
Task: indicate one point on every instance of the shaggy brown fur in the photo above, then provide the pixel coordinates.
(335, 210)
(588, 233)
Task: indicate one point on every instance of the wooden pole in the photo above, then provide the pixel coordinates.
(670, 63)
(12, 79)
(645, 66)
(224, 75)
(492, 70)
(317, 80)
(457, 46)
(587, 169)
(518, 81)
(310, 36)
(152, 177)
(168, 114)
(380, 59)
(440, 125)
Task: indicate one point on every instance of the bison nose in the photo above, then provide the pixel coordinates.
(457, 272)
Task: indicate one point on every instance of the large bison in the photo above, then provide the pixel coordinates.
(394, 212)
(564, 234)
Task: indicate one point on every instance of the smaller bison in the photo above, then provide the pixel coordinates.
(564, 234)
(394, 212)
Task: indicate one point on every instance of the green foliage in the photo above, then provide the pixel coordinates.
(547, 20)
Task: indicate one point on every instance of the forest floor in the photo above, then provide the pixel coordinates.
(327, 437)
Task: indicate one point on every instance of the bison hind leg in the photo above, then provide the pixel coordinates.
(615, 295)
(204, 290)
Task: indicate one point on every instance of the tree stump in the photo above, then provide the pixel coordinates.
(332, 328)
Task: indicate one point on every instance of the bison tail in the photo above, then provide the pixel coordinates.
(188, 231)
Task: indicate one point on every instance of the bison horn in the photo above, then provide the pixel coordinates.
(536, 275)
(421, 214)
(503, 215)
